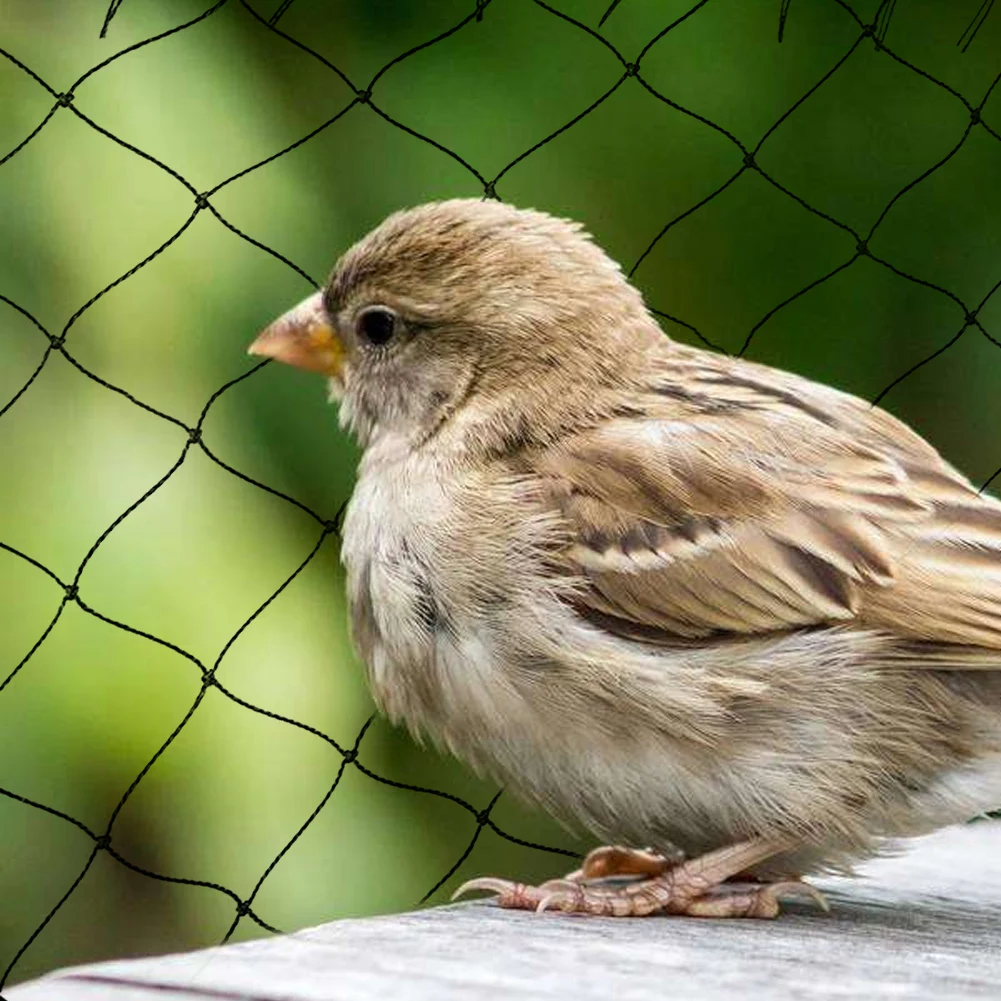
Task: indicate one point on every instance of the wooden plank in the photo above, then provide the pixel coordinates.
(925, 925)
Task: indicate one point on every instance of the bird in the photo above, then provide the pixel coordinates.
(740, 626)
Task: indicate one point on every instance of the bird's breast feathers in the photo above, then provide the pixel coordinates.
(427, 589)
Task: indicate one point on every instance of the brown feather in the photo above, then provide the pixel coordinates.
(714, 524)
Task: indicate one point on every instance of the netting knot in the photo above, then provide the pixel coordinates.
(971, 318)
(208, 679)
(243, 908)
(749, 161)
(194, 435)
(364, 96)
(71, 592)
(351, 756)
(489, 191)
(483, 816)
(64, 100)
(862, 248)
(481, 6)
(869, 30)
(330, 526)
(632, 69)
(201, 201)
(975, 116)
(103, 843)
(57, 342)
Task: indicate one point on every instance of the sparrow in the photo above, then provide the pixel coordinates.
(739, 625)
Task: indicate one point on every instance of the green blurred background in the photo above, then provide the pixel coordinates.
(93, 704)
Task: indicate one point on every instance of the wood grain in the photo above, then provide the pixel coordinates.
(923, 925)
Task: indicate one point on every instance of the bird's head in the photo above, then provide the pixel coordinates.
(478, 316)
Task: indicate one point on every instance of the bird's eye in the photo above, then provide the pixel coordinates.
(377, 324)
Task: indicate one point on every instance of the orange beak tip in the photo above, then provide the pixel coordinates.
(304, 338)
(256, 348)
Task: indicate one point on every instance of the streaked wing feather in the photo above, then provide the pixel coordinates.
(736, 521)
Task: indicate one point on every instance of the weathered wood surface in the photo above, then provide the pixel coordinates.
(925, 925)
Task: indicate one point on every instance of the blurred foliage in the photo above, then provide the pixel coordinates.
(92, 706)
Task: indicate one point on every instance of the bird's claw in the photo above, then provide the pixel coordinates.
(797, 888)
(725, 900)
(702, 887)
(555, 894)
(558, 892)
(508, 893)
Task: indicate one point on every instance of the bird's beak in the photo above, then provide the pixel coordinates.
(303, 337)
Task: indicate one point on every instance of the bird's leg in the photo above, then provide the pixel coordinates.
(697, 887)
(614, 860)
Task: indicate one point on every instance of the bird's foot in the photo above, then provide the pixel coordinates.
(751, 900)
(698, 888)
(614, 860)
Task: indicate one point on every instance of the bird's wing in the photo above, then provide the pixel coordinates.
(753, 512)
